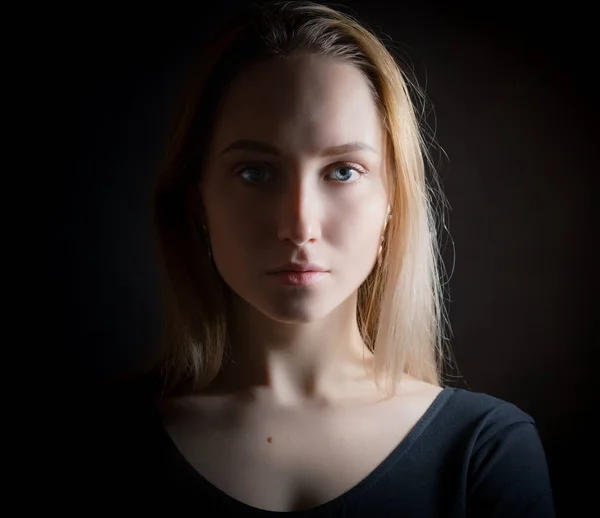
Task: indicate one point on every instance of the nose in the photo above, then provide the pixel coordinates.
(299, 212)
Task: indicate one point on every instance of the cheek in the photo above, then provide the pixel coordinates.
(234, 228)
(355, 237)
(361, 236)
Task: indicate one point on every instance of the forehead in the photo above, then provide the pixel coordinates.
(302, 101)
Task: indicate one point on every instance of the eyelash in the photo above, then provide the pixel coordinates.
(344, 165)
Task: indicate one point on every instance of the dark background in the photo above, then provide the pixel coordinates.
(515, 110)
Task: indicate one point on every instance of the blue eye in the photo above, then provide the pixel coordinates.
(256, 174)
(346, 173)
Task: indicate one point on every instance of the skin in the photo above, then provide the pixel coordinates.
(299, 200)
(294, 419)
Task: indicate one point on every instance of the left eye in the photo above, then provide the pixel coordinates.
(344, 173)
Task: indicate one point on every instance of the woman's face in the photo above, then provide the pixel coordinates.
(295, 173)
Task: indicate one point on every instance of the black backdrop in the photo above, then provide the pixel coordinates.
(515, 111)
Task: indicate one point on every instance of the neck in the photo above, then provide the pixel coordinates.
(294, 363)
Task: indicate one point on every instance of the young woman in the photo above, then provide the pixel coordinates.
(304, 313)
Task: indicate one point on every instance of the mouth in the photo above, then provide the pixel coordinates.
(299, 271)
(298, 278)
(299, 268)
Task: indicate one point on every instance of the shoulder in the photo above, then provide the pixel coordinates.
(463, 421)
(482, 421)
(505, 463)
(483, 410)
(451, 412)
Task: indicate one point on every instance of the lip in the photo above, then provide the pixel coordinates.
(298, 278)
(297, 267)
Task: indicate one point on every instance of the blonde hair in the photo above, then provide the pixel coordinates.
(400, 310)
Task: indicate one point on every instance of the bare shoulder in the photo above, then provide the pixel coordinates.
(413, 399)
(412, 388)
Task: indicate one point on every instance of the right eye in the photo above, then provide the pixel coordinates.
(252, 174)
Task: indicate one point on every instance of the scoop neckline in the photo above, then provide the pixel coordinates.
(364, 485)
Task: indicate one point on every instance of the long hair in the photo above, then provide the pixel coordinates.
(400, 311)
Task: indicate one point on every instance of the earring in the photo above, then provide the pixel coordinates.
(380, 252)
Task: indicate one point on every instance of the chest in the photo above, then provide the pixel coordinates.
(288, 461)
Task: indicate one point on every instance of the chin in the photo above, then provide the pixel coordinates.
(302, 310)
(293, 315)
(289, 310)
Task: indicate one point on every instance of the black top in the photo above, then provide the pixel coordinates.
(469, 455)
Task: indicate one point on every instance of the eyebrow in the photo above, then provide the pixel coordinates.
(263, 147)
